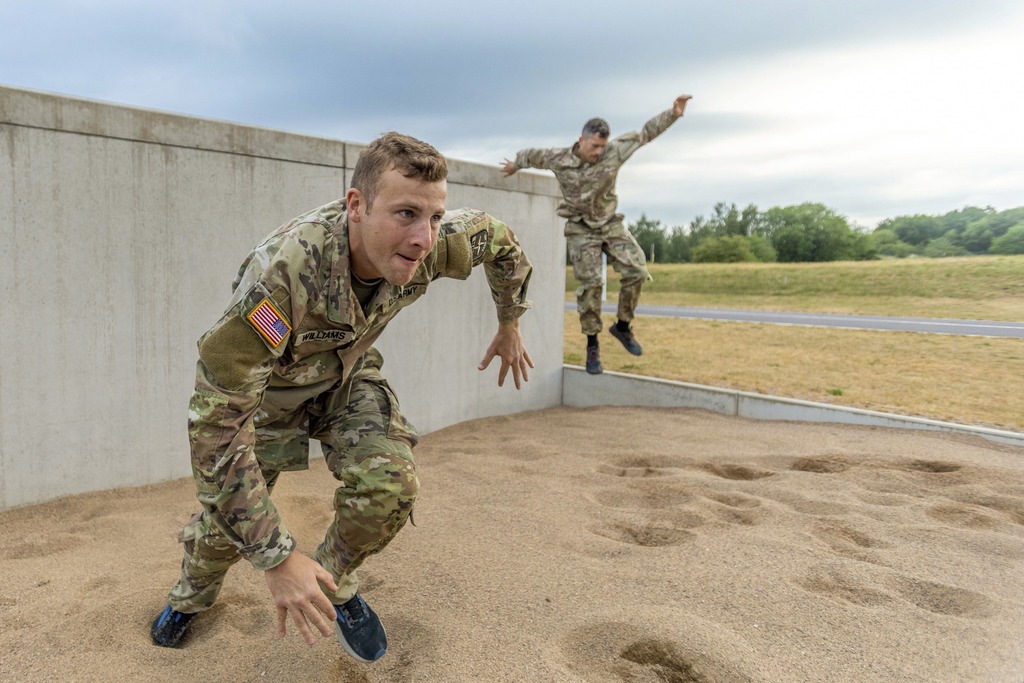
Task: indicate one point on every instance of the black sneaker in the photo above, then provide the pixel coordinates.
(360, 631)
(627, 339)
(170, 626)
(594, 360)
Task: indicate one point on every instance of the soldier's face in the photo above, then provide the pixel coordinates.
(591, 148)
(391, 238)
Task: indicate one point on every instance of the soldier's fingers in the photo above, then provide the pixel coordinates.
(325, 607)
(324, 577)
(516, 378)
(487, 360)
(300, 623)
(315, 616)
(282, 622)
(505, 365)
(526, 355)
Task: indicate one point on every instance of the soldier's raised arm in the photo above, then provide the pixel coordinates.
(660, 123)
(679, 105)
(534, 157)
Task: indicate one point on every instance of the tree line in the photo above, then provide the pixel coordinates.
(814, 232)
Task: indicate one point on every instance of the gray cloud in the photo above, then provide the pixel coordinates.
(478, 76)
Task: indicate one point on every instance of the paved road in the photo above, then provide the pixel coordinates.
(981, 328)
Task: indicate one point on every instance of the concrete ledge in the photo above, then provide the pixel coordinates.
(48, 111)
(619, 389)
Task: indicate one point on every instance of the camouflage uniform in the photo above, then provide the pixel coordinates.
(589, 202)
(292, 359)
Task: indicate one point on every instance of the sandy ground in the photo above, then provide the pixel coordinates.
(594, 545)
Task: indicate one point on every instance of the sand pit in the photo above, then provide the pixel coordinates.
(596, 545)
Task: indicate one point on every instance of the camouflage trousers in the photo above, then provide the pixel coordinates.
(367, 445)
(586, 245)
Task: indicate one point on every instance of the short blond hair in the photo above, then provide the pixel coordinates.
(411, 157)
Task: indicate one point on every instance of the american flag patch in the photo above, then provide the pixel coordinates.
(269, 322)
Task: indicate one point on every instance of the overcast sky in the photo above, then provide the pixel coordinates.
(875, 108)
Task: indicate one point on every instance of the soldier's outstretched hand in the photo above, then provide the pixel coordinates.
(508, 343)
(680, 104)
(508, 167)
(293, 584)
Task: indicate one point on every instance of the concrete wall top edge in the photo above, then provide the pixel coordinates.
(472, 174)
(92, 117)
(36, 109)
(820, 409)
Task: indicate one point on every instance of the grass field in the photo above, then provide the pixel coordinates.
(972, 380)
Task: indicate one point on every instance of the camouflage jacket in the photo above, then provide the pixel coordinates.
(293, 330)
(588, 190)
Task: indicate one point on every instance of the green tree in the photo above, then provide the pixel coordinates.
(650, 235)
(1000, 222)
(727, 220)
(976, 237)
(862, 247)
(1012, 242)
(943, 247)
(887, 243)
(958, 220)
(809, 232)
(997, 223)
(915, 230)
(679, 245)
(727, 249)
(762, 249)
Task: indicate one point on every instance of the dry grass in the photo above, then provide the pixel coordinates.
(969, 380)
(977, 287)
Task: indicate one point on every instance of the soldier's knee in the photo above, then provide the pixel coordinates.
(588, 288)
(631, 283)
(387, 478)
(634, 278)
(402, 483)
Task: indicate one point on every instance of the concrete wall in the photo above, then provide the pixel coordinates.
(122, 229)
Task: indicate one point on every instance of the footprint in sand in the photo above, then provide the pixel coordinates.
(734, 508)
(654, 532)
(926, 595)
(608, 652)
(642, 466)
(963, 516)
(736, 472)
(845, 589)
(932, 466)
(629, 499)
(846, 541)
(942, 599)
(1010, 506)
(809, 506)
(820, 465)
(655, 485)
(843, 534)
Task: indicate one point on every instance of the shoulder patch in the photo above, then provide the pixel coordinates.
(269, 322)
(478, 244)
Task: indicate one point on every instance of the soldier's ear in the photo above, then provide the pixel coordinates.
(355, 204)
